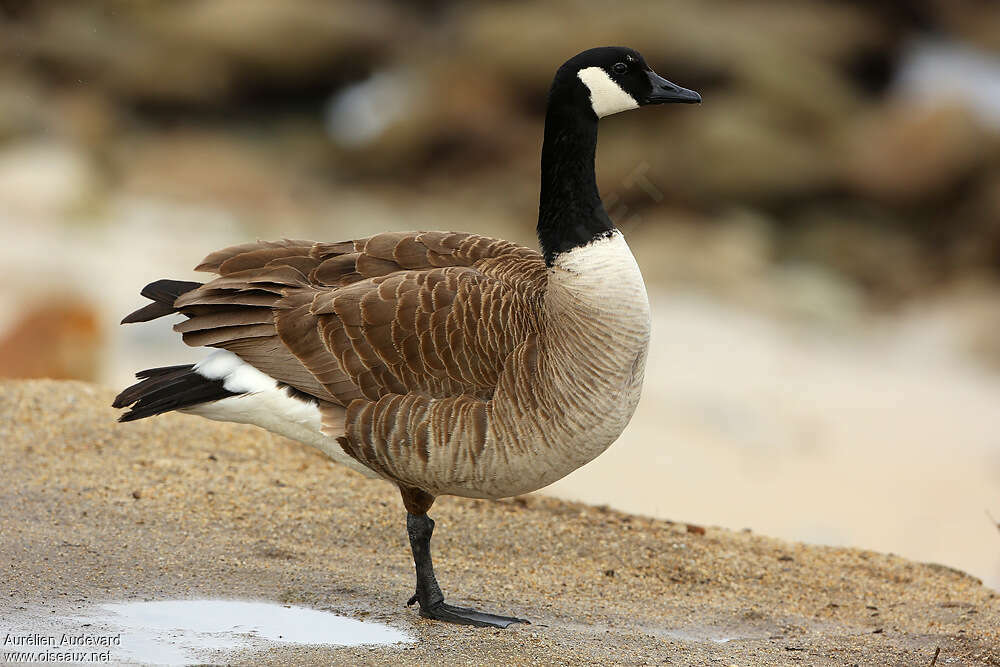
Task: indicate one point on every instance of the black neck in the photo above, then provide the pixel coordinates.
(570, 212)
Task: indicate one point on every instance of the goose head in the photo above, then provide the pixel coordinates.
(610, 79)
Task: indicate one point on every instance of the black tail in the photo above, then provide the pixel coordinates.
(163, 293)
(168, 388)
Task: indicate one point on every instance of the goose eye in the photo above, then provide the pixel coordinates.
(620, 68)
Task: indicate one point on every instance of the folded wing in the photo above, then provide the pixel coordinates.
(431, 313)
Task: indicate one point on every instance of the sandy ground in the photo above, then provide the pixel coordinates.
(883, 428)
(178, 507)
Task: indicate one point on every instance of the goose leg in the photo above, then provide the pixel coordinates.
(419, 527)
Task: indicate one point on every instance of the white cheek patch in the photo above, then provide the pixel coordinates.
(606, 96)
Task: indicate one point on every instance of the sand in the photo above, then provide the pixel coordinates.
(178, 507)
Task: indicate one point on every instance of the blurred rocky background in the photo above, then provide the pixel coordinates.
(821, 237)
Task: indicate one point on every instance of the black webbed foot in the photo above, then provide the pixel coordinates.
(443, 611)
(429, 596)
(465, 616)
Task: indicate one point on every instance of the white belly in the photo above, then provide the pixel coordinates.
(268, 405)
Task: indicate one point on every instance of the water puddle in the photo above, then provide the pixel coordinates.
(178, 632)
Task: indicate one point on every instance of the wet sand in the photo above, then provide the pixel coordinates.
(178, 507)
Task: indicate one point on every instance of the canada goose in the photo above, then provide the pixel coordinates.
(445, 362)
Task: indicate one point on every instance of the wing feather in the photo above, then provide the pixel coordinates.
(428, 313)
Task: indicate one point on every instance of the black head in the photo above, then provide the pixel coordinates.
(615, 78)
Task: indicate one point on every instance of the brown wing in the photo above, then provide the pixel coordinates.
(436, 313)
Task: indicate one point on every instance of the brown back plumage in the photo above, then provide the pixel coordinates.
(431, 313)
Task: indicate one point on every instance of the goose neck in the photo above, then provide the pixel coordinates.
(570, 212)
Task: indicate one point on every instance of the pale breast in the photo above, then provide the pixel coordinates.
(567, 401)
